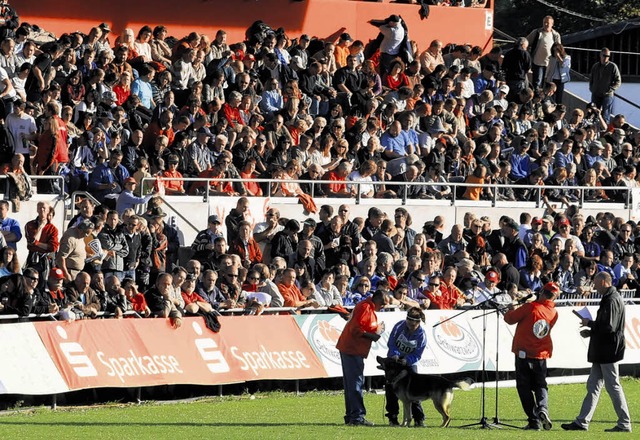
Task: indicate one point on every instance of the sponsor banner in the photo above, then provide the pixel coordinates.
(457, 345)
(451, 347)
(570, 349)
(146, 352)
(26, 367)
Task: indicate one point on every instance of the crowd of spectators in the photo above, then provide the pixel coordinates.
(106, 112)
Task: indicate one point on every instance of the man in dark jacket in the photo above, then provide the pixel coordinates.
(114, 243)
(606, 349)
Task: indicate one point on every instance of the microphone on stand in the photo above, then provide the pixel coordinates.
(525, 298)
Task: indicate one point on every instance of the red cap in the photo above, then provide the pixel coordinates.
(552, 287)
(56, 274)
(492, 276)
(564, 221)
(129, 180)
(537, 221)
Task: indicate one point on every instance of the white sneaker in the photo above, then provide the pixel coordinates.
(544, 418)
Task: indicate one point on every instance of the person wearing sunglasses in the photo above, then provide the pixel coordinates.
(603, 82)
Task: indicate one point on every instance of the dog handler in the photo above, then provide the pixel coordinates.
(354, 345)
(532, 346)
(406, 344)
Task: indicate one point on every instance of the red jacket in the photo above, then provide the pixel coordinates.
(255, 255)
(533, 334)
(363, 320)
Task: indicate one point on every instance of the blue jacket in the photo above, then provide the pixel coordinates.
(407, 346)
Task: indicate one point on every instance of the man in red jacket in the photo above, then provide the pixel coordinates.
(354, 345)
(532, 346)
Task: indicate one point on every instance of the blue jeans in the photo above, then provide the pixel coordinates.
(129, 274)
(604, 103)
(353, 380)
(537, 77)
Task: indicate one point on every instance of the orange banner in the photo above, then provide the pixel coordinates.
(147, 352)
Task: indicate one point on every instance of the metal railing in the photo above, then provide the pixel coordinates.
(60, 180)
(494, 187)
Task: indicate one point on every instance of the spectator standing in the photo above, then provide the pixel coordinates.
(71, 256)
(9, 227)
(393, 31)
(540, 42)
(604, 80)
(516, 66)
(42, 241)
(114, 243)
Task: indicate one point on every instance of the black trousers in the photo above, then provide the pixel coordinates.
(531, 382)
(393, 408)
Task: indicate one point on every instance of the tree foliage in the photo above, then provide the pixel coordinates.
(519, 17)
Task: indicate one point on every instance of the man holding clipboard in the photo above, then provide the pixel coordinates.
(606, 349)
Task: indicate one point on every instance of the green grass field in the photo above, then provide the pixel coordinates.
(311, 415)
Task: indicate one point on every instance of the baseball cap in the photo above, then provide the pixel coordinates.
(56, 274)
(596, 144)
(536, 220)
(345, 37)
(492, 276)
(564, 221)
(311, 222)
(511, 223)
(156, 212)
(86, 224)
(205, 130)
(305, 37)
(504, 89)
(214, 219)
(129, 180)
(551, 287)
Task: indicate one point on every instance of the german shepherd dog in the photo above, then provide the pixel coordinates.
(413, 387)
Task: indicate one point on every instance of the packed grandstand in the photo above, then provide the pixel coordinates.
(114, 126)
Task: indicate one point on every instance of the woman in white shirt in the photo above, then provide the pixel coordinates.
(363, 176)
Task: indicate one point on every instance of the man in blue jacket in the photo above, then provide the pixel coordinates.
(406, 344)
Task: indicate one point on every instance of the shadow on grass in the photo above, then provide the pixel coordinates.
(160, 424)
(463, 425)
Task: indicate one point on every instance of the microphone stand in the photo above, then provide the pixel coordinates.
(496, 420)
(483, 422)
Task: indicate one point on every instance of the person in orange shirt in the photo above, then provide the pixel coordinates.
(291, 293)
(478, 177)
(532, 346)
(341, 50)
(354, 345)
(173, 187)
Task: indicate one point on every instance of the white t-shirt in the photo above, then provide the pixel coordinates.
(18, 125)
(392, 39)
(4, 77)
